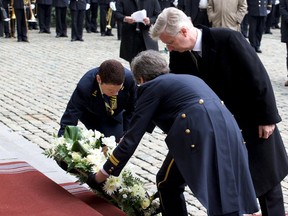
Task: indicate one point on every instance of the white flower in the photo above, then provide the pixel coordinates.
(145, 203)
(76, 156)
(109, 141)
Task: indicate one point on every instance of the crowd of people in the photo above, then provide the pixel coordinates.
(212, 96)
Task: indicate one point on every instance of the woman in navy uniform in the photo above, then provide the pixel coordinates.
(90, 103)
(206, 149)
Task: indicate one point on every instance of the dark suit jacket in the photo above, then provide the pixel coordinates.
(129, 33)
(202, 136)
(234, 71)
(87, 105)
(258, 7)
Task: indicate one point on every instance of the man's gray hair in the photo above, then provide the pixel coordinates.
(148, 65)
(170, 20)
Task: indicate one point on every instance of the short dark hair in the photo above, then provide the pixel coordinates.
(112, 72)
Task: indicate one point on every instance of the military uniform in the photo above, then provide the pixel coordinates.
(44, 10)
(61, 22)
(257, 12)
(206, 149)
(87, 105)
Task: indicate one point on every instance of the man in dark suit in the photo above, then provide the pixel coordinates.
(135, 35)
(60, 17)
(206, 150)
(44, 10)
(230, 66)
(91, 100)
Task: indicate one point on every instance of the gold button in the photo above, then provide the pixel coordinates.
(192, 146)
(110, 170)
(201, 101)
(183, 115)
(244, 142)
(187, 131)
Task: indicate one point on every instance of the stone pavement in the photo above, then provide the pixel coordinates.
(37, 79)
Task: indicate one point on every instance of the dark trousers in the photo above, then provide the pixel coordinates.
(171, 186)
(256, 29)
(272, 202)
(44, 17)
(77, 18)
(61, 23)
(21, 24)
(103, 22)
(91, 18)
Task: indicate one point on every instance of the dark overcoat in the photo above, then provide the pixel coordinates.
(283, 7)
(231, 67)
(202, 136)
(129, 31)
(87, 105)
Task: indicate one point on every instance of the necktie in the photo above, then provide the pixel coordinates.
(111, 104)
(196, 58)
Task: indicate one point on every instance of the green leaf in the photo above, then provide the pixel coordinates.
(77, 147)
(72, 132)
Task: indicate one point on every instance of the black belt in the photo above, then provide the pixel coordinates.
(202, 9)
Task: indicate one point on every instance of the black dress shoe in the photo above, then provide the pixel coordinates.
(25, 40)
(102, 34)
(57, 35)
(80, 39)
(286, 83)
(64, 35)
(109, 34)
(48, 32)
(41, 31)
(268, 32)
(258, 50)
(19, 40)
(88, 31)
(7, 36)
(73, 39)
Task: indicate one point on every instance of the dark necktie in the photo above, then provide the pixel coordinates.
(197, 59)
(110, 104)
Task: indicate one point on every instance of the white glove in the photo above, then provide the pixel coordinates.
(32, 6)
(87, 6)
(112, 5)
(175, 3)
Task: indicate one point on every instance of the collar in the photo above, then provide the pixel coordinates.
(198, 44)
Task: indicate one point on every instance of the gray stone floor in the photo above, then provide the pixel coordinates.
(37, 79)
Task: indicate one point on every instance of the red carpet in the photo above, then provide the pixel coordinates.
(27, 192)
(91, 199)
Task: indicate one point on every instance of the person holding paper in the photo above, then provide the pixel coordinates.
(135, 29)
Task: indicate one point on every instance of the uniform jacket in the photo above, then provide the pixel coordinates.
(45, 2)
(60, 3)
(234, 71)
(226, 13)
(202, 136)
(258, 7)
(284, 20)
(78, 4)
(126, 8)
(87, 104)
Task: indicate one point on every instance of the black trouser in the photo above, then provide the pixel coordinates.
(272, 202)
(256, 29)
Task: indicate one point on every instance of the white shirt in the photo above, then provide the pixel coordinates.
(198, 44)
